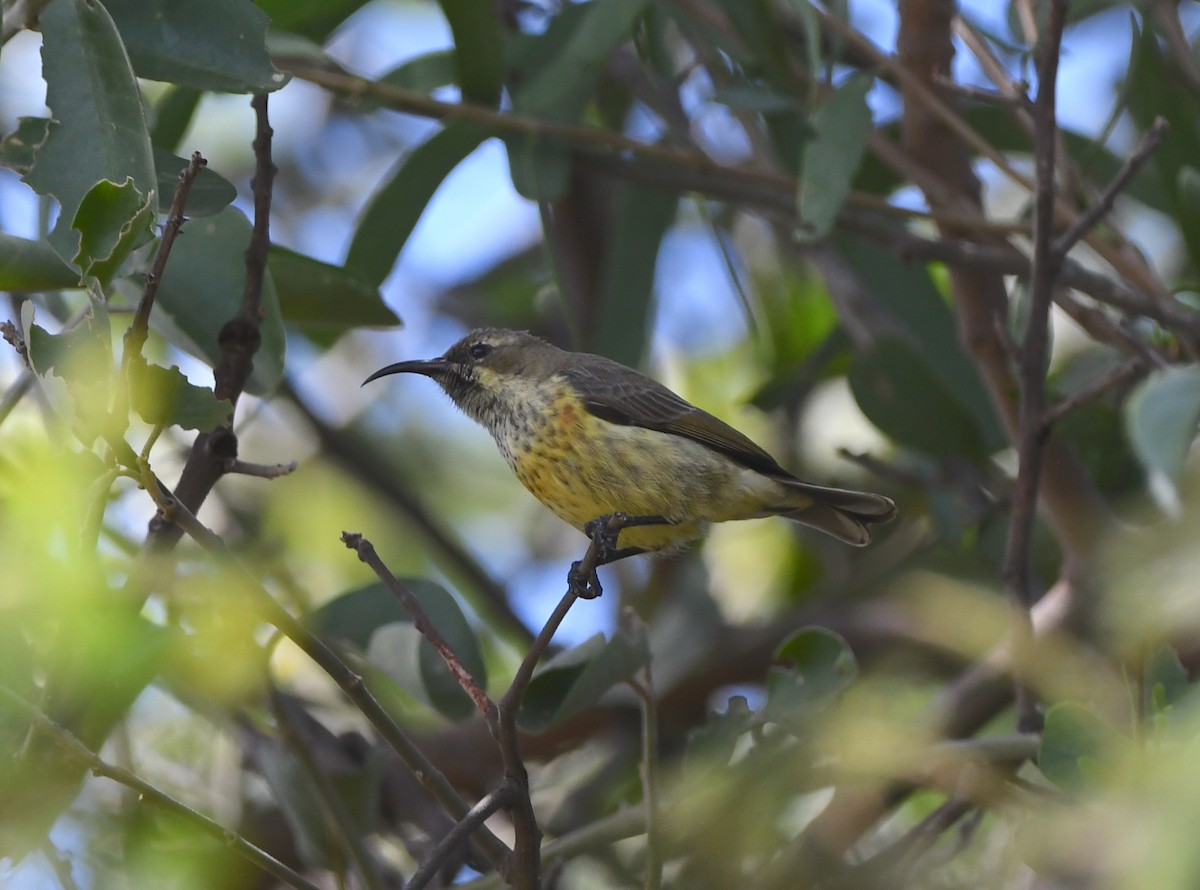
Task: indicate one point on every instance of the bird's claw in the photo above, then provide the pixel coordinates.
(584, 584)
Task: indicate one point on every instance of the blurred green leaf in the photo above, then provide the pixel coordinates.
(19, 148)
(576, 679)
(818, 664)
(642, 218)
(372, 619)
(1155, 90)
(32, 266)
(899, 392)
(112, 221)
(210, 193)
(314, 19)
(540, 168)
(99, 128)
(841, 128)
(909, 293)
(202, 290)
(164, 397)
(572, 54)
(713, 743)
(478, 49)
(1161, 416)
(217, 45)
(425, 72)
(173, 114)
(396, 207)
(1076, 742)
(322, 297)
(1166, 680)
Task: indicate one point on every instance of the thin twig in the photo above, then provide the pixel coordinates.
(367, 553)
(1122, 373)
(261, 471)
(1090, 217)
(351, 683)
(72, 745)
(525, 871)
(649, 771)
(135, 336)
(1032, 361)
(495, 800)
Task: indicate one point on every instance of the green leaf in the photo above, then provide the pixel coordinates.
(627, 278)
(320, 297)
(841, 129)
(112, 221)
(572, 57)
(898, 392)
(372, 619)
(818, 665)
(20, 147)
(353, 617)
(425, 72)
(713, 743)
(1166, 679)
(312, 18)
(478, 49)
(82, 353)
(210, 192)
(396, 207)
(1161, 417)
(911, 295)
(540, 168)
(217, 45)
(1155, 90)
(576, 679)
(99, 128)
(164, 397)
(1076, 742)
(173, 115)
(202, 290)
(33, 265)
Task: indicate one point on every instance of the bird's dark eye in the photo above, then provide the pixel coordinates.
(479, 350)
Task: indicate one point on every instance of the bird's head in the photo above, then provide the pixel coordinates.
(486, 368)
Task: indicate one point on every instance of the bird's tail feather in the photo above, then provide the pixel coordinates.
(847, 515)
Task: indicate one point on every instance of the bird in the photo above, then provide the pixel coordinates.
(593, 439)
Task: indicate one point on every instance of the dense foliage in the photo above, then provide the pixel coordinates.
(923, 282)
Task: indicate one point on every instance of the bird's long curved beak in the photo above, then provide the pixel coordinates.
(434, 367)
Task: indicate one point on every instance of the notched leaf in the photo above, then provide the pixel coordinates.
(164, 397)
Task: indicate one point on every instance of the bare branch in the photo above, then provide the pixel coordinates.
(367, 553)
(1088, 219)
(495, 800)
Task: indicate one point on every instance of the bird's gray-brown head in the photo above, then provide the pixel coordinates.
(488, 372)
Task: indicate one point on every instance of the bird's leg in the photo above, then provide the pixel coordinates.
(604, 531)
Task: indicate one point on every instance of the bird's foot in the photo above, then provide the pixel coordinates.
(604, 531)
(583, 582)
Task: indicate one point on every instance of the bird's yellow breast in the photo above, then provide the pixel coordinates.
(583, 467)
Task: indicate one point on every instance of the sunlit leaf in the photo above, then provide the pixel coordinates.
(112, 221)
(164, 397)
